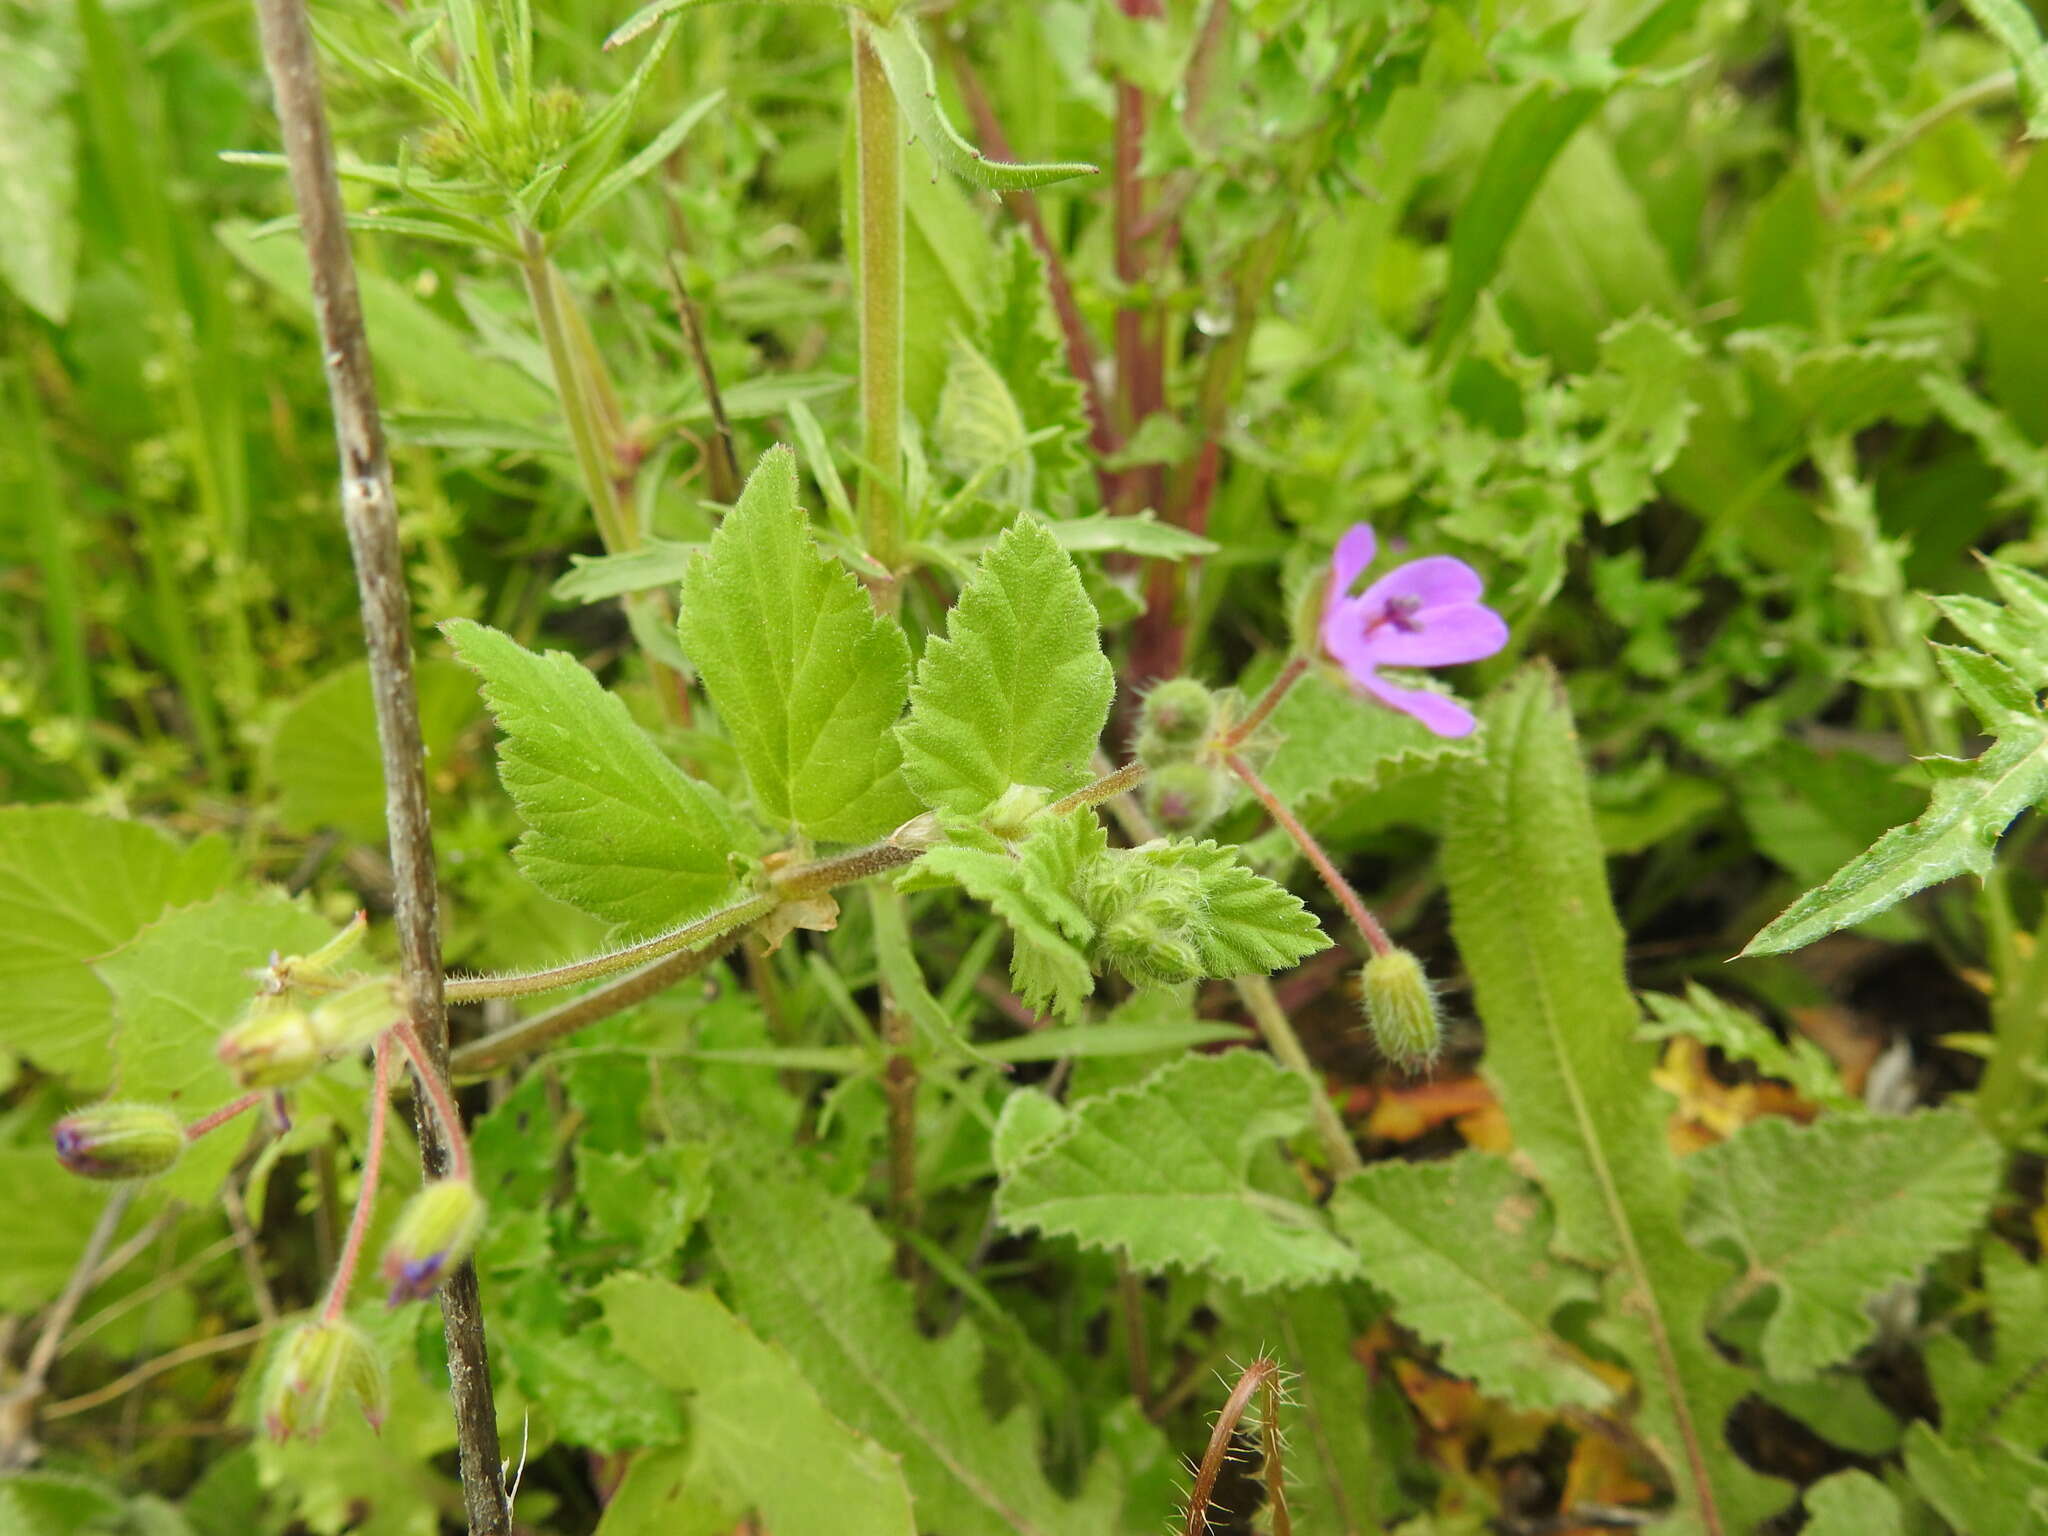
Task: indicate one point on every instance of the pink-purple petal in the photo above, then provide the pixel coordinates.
(1355, 551)
(1438, 637)
(1435, 581)
(1444, 717)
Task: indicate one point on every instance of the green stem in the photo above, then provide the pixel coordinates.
(879, 253)
(1347, 898)
(2012, 1079)
(1108, 787)
(1260, 1001)
(470, 989)
(586, 436)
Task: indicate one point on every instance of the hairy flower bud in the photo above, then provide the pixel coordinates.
(435, 1232)
(1179, 712)
(348, 1021)
(1015, 807)
(1143, 911)
(1147, 951)
(274, 1044)
(316, 1366)
(1186, 796)
(1400, 1007)
(119, 1141)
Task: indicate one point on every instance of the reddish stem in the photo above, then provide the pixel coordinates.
(1268, 702)
(436, 1090)
(224, 1114)
(1339, 887)
(1234, 1406)
(366, 1197)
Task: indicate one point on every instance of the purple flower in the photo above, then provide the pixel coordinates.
(1426, 613)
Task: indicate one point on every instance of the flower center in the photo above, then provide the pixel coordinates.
(1399, 612)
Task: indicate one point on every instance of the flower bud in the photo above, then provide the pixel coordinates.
(1014, 807)
(1400, 1008)
(319, 971)
(1178, 713)
(119, 1141)
(274, 1044)
(1147, 951)
(316, 1366)
(349, 1021)
(1185, 796)
(435, 1232)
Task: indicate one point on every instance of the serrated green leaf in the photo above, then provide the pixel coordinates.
(1853, 1504)
(324, 757)
(613, 826)
(1973, 804)
(74, 887)
(1018, 690)
(807, 678)
(177, 984)
(1162, 1171)
(1855, 56)
(909, 70)
(1463, 1248)
(2009, 450)
(1834, 1212)
(813, 1274)
(585, 1390)
(1534, 922)
(760, 1439)
(2006, 1394)
(1025, 343)
(1839, 388)
(1335, 747)
(1032, 889)
(1643, 388)
(1741, 1036)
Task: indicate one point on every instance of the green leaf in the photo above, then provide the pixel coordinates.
(813, 1275)
(1643, 389)
(1463, 1248)
(1340, 1477)
(1336, 748)
(909, 70)
(176, 986)
(47, 1213)
(586, 1391)
(653, 153)
(1163, 1171)
(760, 1438)
(1839, 388)
(1979, 1487)
(1855, 57)
(1032, 889)
(324, 757)
(1833, 1213)
(979, 427)
(57, 1504)
(73, 887)
(2014, 26)
(1018, 690)
(807, 678)
(1741, 1036)
(1024, 342)
(2006, 1394)
(1973, 803)
(2004, 446)
(1537, 931)
(613, 827)
(1853, 1504)
(38, 168)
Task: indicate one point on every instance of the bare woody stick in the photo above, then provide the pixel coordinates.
(369, 510)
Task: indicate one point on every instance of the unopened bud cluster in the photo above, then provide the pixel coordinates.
(1400, 1009)
(316, 1368)
(1186, 787)
(1144, 913)
(281, 1040)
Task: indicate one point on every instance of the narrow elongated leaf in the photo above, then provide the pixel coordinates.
(657, 149)
(74, 887)
(1974, 802)
(177, 985)
(760, 1439)
(613, 826)
(1537, 931)
(1163, 1171)
(808, 679)
(813, 1275)
(1463, 1248)
(909, 69)
(1018, 690)
(38, 169)
(1832, 1213)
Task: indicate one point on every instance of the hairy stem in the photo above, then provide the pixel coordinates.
(479, 1057)
(878, 224)
(1269, 701)
(371, 514)
(1108, 787)
(366, 1196)
(1288, 822)
(1218, 1450)
(208, 1123)
(467, 989)
(433, 1084)
(1277, 1030)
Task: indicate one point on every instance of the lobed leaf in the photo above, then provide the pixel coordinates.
(1162, 1171)
(612, 826)
(807, 678)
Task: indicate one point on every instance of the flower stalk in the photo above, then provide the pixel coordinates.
(878, 228)
(366, 1196)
